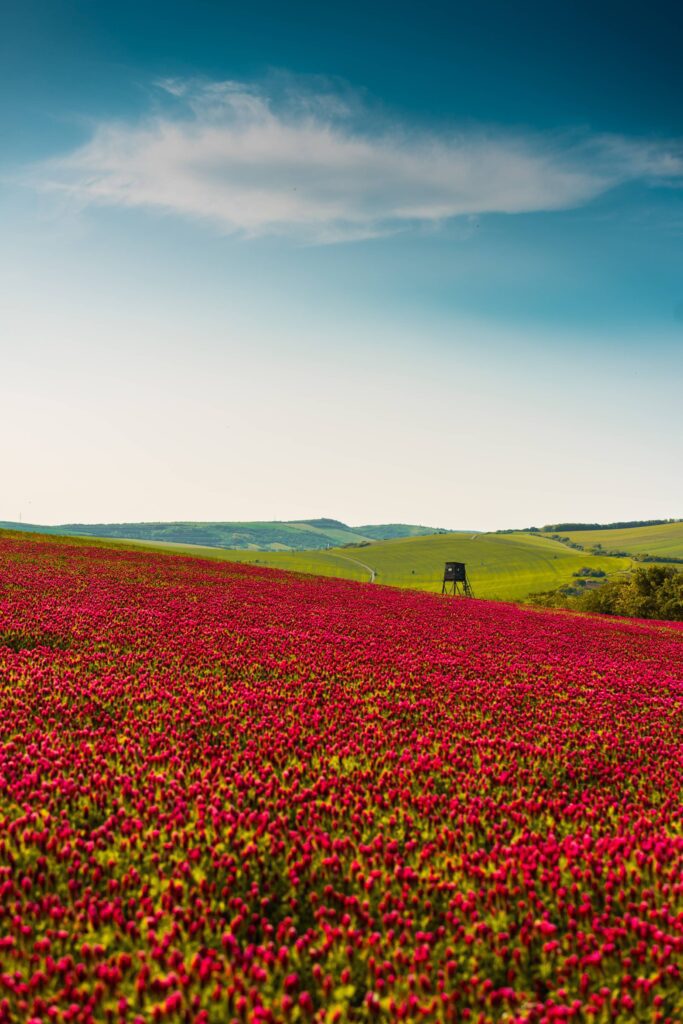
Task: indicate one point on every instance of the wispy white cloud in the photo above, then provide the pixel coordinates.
(311, 165)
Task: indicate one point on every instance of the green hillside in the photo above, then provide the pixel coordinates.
(306, 535)
(504, 566)
(508, 567)
(394, 531)
(664, 541)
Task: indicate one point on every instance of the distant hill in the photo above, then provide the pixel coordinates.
(301, 535)
(660, 541)
(395, 531)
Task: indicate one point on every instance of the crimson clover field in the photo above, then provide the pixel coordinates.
(228, 793)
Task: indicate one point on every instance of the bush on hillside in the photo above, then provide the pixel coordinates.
(669, 559)
(567, 541)
(652, 593)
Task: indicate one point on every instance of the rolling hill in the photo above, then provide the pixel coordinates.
(507, 567)
(503, 566)
(304, 535)
(662, 541)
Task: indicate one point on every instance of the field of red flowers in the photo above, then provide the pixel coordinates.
(232, 794)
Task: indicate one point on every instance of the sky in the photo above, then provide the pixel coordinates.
(386, 262)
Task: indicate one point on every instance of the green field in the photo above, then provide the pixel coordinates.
(503, 566)
(665, 541)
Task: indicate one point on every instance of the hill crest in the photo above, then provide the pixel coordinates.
(276, 535)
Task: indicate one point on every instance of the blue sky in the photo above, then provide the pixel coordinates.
(369, 261)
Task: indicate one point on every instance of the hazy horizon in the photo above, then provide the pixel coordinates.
(331, 518)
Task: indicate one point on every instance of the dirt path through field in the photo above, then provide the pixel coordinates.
(363, 565)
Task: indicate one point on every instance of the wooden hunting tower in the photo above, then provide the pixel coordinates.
(455, 580)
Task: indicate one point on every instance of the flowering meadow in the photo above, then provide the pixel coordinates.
(233, 794)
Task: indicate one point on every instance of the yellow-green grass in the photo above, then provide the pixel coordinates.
(665, 541)
(321, 563)
(504, 566)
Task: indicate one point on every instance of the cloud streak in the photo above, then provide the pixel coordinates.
(312, 167)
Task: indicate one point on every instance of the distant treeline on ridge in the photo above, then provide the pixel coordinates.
(602, 526)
